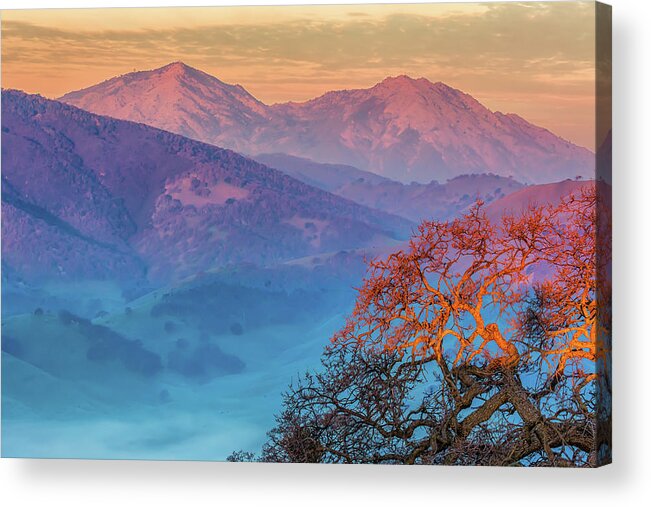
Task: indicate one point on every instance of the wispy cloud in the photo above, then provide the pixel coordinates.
(533, 52)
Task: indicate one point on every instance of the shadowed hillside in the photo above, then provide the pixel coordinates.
(135, 199)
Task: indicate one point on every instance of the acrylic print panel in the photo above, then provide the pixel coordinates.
(338, 234)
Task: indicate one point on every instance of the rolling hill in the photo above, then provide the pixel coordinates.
(85, 195)
(414, 201)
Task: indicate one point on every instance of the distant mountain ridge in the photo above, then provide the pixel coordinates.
(328, 177)
(416, 201)
(402, 128)
(88, 195)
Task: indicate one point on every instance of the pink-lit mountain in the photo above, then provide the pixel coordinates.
(93, 197)
(402, 128)
(179, 99)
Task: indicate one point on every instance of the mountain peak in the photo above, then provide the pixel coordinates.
(405, 84)
(208, 106)
(401, 78)
(403, 127)
(180, 69)
(177, 68)
(176, 65)
(400, 82)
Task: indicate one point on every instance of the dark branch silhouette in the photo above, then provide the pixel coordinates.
(479, 344)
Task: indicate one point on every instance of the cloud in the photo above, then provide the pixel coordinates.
(506, 35)
(518, 48)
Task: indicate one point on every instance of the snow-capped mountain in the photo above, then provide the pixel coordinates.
(402, 128)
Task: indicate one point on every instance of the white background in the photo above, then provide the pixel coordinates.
(626, 482)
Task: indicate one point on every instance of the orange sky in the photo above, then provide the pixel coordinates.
(536, 60)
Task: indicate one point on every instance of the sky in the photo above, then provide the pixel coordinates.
(533, 59)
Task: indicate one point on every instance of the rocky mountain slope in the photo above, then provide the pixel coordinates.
(402, 128)
(179, 99)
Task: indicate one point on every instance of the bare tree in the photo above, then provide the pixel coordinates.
(479, 344)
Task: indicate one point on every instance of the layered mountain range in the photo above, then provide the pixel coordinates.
(402, 128)
(414, 201)
(174, 250)
(86, 196)
(129, 180)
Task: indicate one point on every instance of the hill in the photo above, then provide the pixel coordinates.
(86, 194)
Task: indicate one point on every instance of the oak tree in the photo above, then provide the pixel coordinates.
(480, 343)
